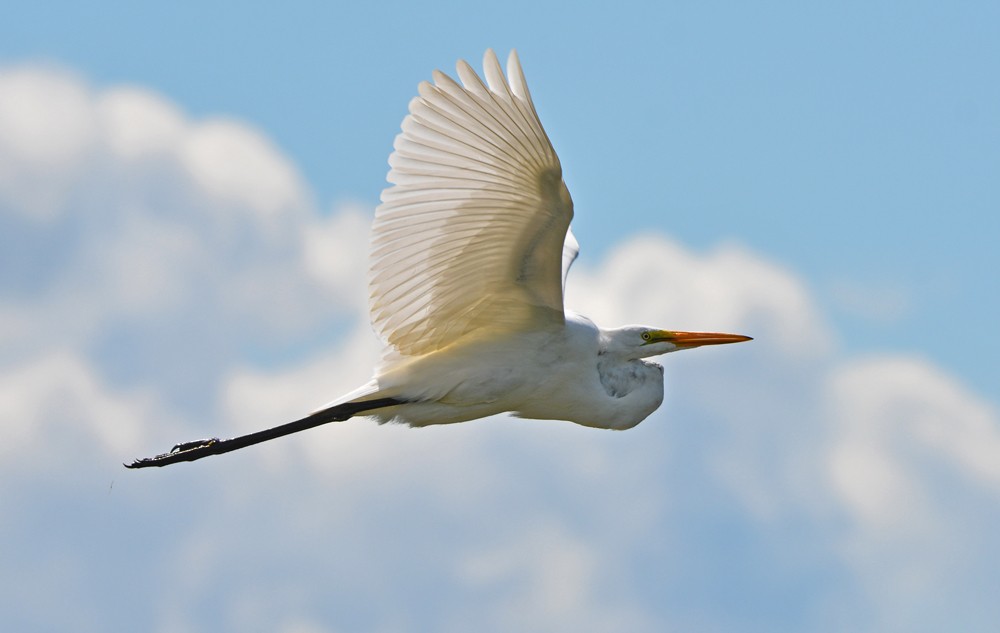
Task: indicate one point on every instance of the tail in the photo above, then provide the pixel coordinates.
(337, 411)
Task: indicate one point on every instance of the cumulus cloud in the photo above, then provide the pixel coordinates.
(728, 287)
(786, 430)
(139, 235)
(238, 166)
(58, 414)
(914, 460)
(190, 287)
(46, 130)
(896, 416)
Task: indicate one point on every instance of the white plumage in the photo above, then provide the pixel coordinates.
(471, 234)
(470, 251)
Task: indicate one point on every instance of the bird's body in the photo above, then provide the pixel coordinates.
(565, 371)
(469, 256)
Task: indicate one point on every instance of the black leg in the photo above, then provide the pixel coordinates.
(190, 451)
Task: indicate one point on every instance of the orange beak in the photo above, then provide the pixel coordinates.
(697, 339)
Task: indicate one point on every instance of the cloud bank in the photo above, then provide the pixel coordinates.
(164, 278)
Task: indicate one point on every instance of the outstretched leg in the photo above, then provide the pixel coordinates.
(190, 451)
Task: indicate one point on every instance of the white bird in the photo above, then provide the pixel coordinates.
(470, 250)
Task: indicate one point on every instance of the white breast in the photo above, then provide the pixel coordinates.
(591, 389)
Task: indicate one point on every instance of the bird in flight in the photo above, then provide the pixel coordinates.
(470, 249)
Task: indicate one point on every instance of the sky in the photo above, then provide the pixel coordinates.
(185, 195)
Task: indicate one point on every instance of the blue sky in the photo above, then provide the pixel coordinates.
(821, 177)
(857, 142)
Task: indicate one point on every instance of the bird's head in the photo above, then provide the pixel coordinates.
(638, 341)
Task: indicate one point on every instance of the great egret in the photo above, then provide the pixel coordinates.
(469, 256)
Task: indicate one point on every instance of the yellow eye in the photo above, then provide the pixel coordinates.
(646, 336)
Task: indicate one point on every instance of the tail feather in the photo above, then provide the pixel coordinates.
(367, 391)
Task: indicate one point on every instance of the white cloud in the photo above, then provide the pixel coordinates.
(60, 417)
(914, 458)
(906, 405)
(139, 234)
(138, 124)
(179, 253)
(546, 579)
(336, 254)
(797, 434)
(47, 128)
(653, 278)
(240, 167)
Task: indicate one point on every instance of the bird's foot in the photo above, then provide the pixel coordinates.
(185, 451)
(187, 446)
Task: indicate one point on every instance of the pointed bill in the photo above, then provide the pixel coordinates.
(697, 339)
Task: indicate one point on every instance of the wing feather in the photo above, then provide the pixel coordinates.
(471, 232)
(571, 249)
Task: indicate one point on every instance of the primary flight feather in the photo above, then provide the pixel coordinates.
(470, 250)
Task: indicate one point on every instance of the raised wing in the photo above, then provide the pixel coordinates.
(471, 233)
